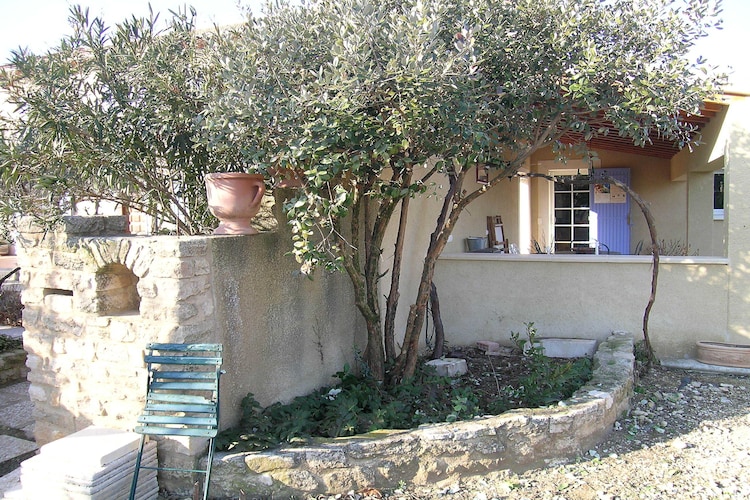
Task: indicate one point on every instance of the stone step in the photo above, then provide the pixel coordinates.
(13, 451)
(102, 470)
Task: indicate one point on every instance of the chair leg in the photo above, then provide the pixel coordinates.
(209, 463)
(134, 484)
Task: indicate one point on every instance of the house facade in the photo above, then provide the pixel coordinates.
(579, 263)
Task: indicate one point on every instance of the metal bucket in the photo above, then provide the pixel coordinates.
(476, 243)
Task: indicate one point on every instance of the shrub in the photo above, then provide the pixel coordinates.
(359, 404)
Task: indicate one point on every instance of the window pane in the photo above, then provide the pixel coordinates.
(562, 247)
(581, 216)
(563, 200)
(562, 233)
(718, 191)
(581, 234)
(562, 217)
(581, 199)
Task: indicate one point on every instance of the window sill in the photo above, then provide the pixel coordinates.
(587, 258)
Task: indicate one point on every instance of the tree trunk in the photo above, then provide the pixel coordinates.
(437, 320)
(655, 263)
(394, 295)
(406, 362)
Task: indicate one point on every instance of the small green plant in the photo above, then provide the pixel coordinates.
(547, 380)
(642, 362)
(9, 343)
(359, 403)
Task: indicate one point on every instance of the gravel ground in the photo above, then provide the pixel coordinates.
(687, 436)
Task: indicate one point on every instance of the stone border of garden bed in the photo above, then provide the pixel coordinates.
(442, 453)
(518, 440)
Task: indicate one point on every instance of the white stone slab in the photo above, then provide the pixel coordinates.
(82, 475)
(45, 476)
(567, 348)
(93, 445)
(10, 484)
(449, 367)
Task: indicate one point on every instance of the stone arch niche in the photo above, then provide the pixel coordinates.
(116, 290)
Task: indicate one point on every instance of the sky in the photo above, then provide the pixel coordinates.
(40, 24)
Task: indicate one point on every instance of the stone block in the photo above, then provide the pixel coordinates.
(449, 367)
(190, 246)
(267, 462)
(202, 267)
(94, 225)
(488, 346)
(183, 312)
(13, 366)
(60, 304)
(122, 332)
(321, 458)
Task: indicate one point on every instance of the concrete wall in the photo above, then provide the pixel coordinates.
(737, 216)
(488, 296)
(93, 299)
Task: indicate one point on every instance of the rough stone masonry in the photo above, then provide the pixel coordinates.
(442, 453)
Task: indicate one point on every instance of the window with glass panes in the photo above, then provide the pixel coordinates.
(571, 216)
(719, 196)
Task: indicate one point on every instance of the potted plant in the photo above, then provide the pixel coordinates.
(234, 198)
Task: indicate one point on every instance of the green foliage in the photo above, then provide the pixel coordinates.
(360, 404)
(547, 381)
(110, 114)
(9, 343)
(356, 405)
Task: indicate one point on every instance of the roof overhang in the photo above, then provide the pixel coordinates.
(658, 148)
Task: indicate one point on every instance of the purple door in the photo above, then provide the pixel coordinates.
(611, 206)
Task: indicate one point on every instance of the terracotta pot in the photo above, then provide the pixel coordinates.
(234, 198)
(722, 354)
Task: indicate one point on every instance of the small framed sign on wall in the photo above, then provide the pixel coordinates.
(483, 174)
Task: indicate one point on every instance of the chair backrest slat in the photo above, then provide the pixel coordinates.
(153, 346)
(183, 360)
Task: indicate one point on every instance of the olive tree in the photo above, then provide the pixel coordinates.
(369, 104)
(109, 114)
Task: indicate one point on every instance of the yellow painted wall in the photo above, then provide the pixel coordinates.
(488, 296)
(737, 217)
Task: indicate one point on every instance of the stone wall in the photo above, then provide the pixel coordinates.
(95, 296)
(442, 453)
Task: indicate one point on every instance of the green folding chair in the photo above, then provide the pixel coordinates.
(182, 399)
